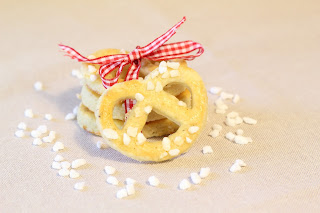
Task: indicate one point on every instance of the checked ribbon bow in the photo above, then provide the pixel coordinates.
(155, 51)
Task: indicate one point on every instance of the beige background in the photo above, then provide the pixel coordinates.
(266, 51)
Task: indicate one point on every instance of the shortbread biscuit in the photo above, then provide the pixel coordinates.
(87, 121)
(190, 119)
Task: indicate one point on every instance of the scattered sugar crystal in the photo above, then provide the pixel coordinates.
(215, 90)
(47, 139)
(150, 85)
(193, 129)
(165, 75)
(148, 109)
(42, 129)
(55, 165)
(141, 138)
(91, 69)
(109, 170)
(93, 77)
(58, 158)
(204, 172)
(75, 72)
(238, 120)
(75, 110)
(181, 103)
(28, 113)
(158, 87)
(232, 114)
(37, 142)
(22, 126)
(226, 96)
(130, 181)
(173, 65)
(207, 150)
(58, 146)
(249, 120)
(132, 131)
(79, 186)
(188, 140)
(239, 132)
(235, 98)
(64, 172)
(235, 167)
(38, 86)
(195, 178)
(126, 139)
(101, 145)
(162, 67)
(110, 133)
(230, 122)
(65, 164)
(239, 139)
(166, 143)
(35, 133)
(139, 97)
(154, 74)
(70, 116)
(214, 133)
(78, 162)
(184, 184)
(163, 154)
(48, 117)
(220, 111)
(230, 136)
(241, 163)
(178, 140)
(19, 133)
(130, 189)
(122, 193)
(217, 127)
(174, 152)
(112, 180)
(74, 174)
(52, 134)
(153, 181)
(174, 73)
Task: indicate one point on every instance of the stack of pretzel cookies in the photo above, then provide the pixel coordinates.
(170, 102)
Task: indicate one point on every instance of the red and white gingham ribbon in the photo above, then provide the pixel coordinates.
(156, 51)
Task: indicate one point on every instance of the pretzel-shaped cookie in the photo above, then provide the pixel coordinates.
(149, 93)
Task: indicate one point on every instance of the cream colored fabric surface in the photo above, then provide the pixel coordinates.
(266, 51)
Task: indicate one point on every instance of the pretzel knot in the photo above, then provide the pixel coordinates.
(129, 140)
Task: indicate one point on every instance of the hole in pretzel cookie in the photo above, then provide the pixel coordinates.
(157, 130)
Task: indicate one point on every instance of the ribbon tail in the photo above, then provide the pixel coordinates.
(133, 73)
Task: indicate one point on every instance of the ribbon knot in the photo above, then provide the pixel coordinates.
(155, 50)
(134, 55)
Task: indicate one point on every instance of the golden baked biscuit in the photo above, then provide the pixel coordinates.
(128, 140)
